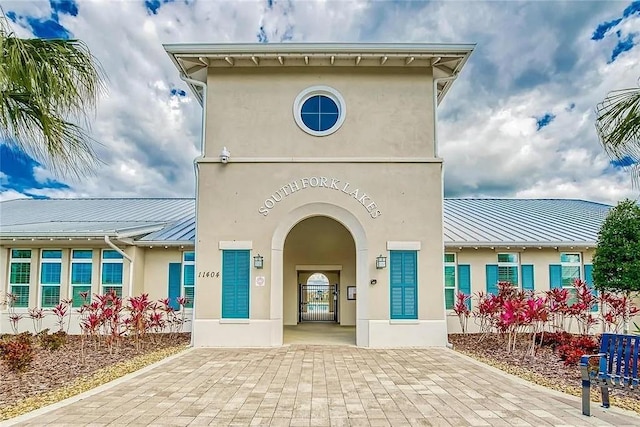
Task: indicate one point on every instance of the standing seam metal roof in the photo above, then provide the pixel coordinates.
(467, 222)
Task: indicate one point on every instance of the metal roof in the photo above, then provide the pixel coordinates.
(467, 222)
(89, 217)
(526, 222)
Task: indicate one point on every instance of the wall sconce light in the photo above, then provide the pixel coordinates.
(381, 262)
(258, 261)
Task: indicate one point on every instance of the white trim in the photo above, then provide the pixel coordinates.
(323, 160)
(235, 244)
(404, 321)
(404, 245)
(72, 261)
(21, 261)
(306, 267)
(330, 93)
(104, 261)
(183, 291)
(234, 321)
(43, 260)
(456, 288)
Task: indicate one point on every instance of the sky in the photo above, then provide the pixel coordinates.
(518, 122)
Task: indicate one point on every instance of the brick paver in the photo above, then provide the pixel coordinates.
(312, 385)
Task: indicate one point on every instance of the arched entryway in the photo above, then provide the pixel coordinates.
(325, 239)
(319, 263)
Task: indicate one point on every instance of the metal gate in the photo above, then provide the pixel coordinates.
(318, 303)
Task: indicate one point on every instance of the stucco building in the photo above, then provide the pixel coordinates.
(319, 197)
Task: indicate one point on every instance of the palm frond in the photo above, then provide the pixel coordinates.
(46, 86)
(618, 127)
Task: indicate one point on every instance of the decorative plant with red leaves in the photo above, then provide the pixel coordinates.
(139, 317)
(617, 310)
(558, 305)
(575, 347)
(17, 352)
(582, 309)
(36, 315)
(536, 316)
(461, 309)
(61, 310)
(484, 313)
(182, 302)
(14, 320)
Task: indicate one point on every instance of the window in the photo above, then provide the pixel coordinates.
(111, 276)
(50, 271)
(404, 284)
(20, 277)
(188, 277)
(319, 110)
(81, 275)
(571, 264)
(508, 268)
(235, 284)
(449, 280)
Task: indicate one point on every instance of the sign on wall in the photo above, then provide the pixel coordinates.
(320, 182)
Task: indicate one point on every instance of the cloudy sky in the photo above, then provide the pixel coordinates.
(519, 121)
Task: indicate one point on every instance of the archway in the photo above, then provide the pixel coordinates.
(321, 238)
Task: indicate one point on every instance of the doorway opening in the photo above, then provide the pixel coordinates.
(318, 299)
(319, 262)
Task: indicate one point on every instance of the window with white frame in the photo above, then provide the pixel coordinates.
(20, 277)
(450, 280)
(508, 268)
(188, 277)
(571, 264)
(111, 275)
(50, 272)
(81, 276)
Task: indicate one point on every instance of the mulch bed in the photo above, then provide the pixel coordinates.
(50, 370)
(545, 369)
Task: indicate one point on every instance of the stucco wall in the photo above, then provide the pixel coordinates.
(389, 112)
(479, 258)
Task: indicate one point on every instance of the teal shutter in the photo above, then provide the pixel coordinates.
(235, 284)
(555, 276)
(464, 281)
(492, 279)
(403, 284)
(588, 277)
(174, 284)
(527, 277)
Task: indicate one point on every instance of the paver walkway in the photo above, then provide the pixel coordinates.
(303, 385)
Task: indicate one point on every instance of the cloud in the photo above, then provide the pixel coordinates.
(531, 58)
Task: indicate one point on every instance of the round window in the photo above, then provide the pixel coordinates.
(319, 110)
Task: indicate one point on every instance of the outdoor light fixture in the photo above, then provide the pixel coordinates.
(258, 261)
(225, 155)
(381, 262)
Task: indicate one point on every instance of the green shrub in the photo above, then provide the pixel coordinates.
(53, 341)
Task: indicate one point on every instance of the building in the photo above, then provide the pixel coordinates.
(53, 249)
(319, 196)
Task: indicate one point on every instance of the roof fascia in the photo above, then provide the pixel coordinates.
(547, 245)
(186, 243)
